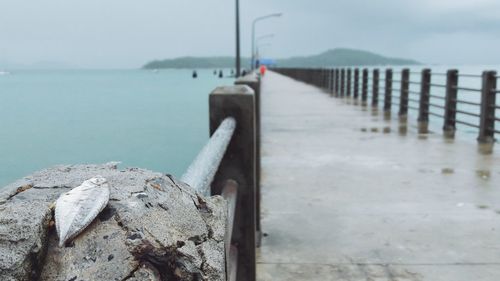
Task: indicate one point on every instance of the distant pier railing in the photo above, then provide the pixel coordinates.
(453, 103)
(229, 165)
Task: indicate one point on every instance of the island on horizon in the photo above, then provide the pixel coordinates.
(330, 58)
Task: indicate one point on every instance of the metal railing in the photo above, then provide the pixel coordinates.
(449, 101)
(227, 166)
(202, 170)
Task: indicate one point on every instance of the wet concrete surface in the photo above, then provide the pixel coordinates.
(350, 195)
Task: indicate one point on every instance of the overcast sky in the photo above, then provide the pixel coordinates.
(128, 33)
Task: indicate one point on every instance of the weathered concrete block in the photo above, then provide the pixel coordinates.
(153, 228)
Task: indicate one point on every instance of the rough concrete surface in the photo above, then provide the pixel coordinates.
(153, 228)
(349, 195)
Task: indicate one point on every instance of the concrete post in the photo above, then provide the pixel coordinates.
(450, 110)
(337, 82)
(375, 87)
(239, 164)
(254, 82)
(348, 88)
(356, 83)
(388, 91)
(488, 103)
(423, 109)
(364, 88)
(403, 98)
(342, 82)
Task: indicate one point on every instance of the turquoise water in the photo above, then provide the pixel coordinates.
(157, 121)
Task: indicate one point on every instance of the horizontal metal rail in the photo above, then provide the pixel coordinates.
(466, 89)
(468, 102)
(413, 100)
(470, 75)
(467, 124)
(437, 85)
(413, 92)
(436, 105)
(201, 172)
(437, 97)
(437, 115)
(467, 113)
(414, 83)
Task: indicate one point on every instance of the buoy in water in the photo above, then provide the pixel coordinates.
(195, 74)
(221, 74)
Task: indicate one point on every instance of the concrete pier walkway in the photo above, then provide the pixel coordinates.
(346, 196)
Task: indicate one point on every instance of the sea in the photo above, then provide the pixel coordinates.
(156, 120)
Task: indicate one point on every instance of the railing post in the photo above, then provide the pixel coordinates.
(239, 164)
(356, 83)
(403, 98)
(342, 82)
(322, 77)
(364, 87)
(423, 109)
(388, 91)
(332, 82)
(348, 88)
(337, 82)
(375, 87)
(488, 103)
(450, 107)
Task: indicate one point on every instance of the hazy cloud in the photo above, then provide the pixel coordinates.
(126, 33)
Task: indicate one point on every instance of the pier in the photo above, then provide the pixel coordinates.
(348, 194)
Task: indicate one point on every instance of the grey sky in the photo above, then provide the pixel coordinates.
(127, 33)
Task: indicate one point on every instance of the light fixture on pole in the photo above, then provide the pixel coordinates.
(275, 15)
(266, 36)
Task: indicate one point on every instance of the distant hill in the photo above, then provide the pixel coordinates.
(343, 57)
(335, 57)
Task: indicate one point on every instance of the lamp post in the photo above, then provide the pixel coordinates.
(270, 35)
(253, 32)
(258, 51)
(238, 62)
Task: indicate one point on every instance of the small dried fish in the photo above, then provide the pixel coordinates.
(77, 208)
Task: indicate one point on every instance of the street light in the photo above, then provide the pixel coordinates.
(275, 15)
(270, 35)
(258, 49)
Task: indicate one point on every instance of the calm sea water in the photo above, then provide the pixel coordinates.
(144, 119)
